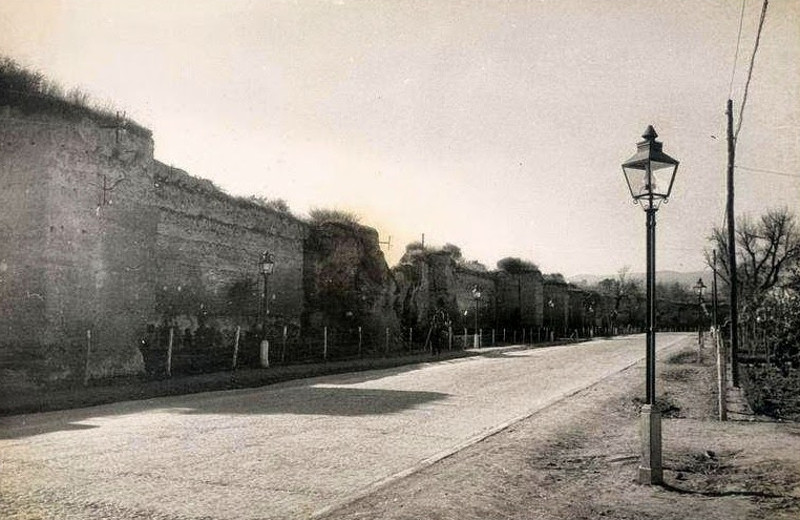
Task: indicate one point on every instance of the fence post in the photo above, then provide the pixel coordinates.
(386, 346)
(410, 337)
(504, 334)
(325, 344)
(88, 353)
(465, 339)
(283, 348)
(449, 337)
(359, 341)
(236, 346)
(169, 352)
(493, 339)
(523, 336)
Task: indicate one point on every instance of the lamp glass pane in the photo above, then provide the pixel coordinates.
(662, 174)
(637, 179)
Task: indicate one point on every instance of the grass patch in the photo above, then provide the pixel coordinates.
(683, 358)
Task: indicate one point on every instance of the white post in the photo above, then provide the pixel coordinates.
(236, 346)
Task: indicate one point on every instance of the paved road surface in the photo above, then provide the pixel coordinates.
(285, 451)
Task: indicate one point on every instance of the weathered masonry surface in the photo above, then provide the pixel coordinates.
(102, 247)
(98, 240)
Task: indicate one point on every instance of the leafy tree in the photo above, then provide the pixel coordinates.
(554, 277)
(474, 265)
(514, 265)
(454, 251)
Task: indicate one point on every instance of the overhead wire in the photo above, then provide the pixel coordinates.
(771, 172)
(750, 68)
(736, 56)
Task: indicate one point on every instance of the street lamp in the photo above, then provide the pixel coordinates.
(699, 287)
(650, 174)
(476, 295)
(267, 266)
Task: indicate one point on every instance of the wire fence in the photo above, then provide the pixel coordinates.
(168, 351)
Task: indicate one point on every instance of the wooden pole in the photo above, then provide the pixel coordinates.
(88, 354)
(386, 346)
(325, 344)
(734, 282)
(722, 383)
(360, 340)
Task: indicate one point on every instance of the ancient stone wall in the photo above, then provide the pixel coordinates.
(208, 248)
(520, 299)
(348, 285)
(76, 235)
(556, 306)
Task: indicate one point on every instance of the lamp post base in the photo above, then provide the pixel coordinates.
(650, 470)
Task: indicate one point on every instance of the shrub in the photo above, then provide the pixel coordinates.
(320, 216)
(772, 391)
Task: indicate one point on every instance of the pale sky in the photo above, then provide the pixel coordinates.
(498, 126)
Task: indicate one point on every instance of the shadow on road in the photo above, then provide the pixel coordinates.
(299, 400)
(315, 400)
(40, 429)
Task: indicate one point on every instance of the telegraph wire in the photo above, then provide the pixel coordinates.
(736, 56)
(750, 68)
(772, 172)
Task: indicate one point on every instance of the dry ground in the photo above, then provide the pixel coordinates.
(578, 459)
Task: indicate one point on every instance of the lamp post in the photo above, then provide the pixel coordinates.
(699, 288)
(650, 174)
(267, 266)
(476, 295)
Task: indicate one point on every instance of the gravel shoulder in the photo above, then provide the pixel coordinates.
(578, 459)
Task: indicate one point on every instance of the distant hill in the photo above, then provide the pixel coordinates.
(668, 277)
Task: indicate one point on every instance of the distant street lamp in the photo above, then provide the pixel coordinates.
(476, 295)
(650, 174)
(267, 266)
(699, 288)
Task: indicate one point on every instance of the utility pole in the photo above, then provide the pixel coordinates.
(732, 253)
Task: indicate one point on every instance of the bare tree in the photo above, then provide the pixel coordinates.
(767, 253)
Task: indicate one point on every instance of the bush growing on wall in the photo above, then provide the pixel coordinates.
(31, 91)
(320, 216)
